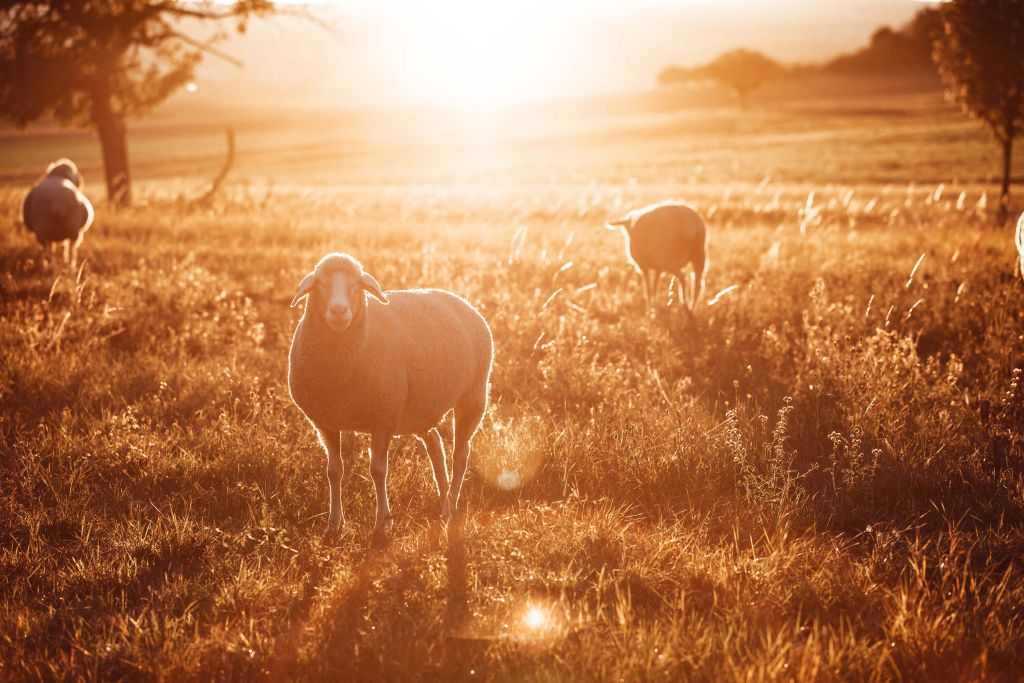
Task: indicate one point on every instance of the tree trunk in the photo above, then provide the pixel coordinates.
(114, 144)
(1004, 192)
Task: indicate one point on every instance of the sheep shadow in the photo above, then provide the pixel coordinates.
(343, 642)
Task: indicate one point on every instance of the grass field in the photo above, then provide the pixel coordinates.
(820, 479)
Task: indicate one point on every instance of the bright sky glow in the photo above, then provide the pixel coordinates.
(475, 55)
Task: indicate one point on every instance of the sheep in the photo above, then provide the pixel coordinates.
(389, 365)
(1019, 239)
(663, 238)
(55, 209)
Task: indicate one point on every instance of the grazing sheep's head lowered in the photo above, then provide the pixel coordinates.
(66, 169)
(336, 289)
(624, 223)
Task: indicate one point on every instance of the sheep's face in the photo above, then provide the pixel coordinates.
(337, 290)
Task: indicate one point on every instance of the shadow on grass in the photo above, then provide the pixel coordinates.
(338, 639)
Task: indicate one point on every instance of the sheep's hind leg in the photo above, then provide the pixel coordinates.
(469, 411)
(435, 450)
(379, 474)
(335, 472)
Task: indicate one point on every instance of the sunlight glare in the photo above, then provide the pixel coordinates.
(473, 56)
(535, 618)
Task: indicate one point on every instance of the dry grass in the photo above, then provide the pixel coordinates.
(822, 479)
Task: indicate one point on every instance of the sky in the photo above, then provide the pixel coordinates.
(475, 54)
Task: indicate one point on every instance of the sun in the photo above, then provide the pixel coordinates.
(473, 55)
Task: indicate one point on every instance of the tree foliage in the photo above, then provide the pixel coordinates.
(907, 49)
(980, 54)
(95, 63)
(742, 71)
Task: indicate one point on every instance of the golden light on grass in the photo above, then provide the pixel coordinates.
(509, 454)
(509, 480)
(718, 297)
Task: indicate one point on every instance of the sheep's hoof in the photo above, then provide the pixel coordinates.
(331, 533)
(382, 527)
(382, 533)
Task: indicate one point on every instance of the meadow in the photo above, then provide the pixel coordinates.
(821, 478)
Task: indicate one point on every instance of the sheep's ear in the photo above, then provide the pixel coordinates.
(371, 286)
(616, 225)
(303, 290)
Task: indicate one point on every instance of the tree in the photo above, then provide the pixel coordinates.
(742, 71)
(980, 54)
(95, 63)
(903, 51)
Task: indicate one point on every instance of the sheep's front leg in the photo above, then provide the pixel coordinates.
(650, 278)
(647, 294)
(655, 296)
(335, 472)
(49, 253)
(698, 286)
(75, 244)
(379, 474)
(681, 284)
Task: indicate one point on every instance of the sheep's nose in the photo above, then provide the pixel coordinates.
(338, 310)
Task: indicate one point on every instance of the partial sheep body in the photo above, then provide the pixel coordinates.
(1019, 239)
(666, 238)
(390, 365)
(56, 210)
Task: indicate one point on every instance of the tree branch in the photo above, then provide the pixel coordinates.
(229, 160)
(206, 47)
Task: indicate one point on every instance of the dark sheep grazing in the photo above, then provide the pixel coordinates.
(55, 209)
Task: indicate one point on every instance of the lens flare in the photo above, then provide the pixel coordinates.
(508, 480)
(535, 618)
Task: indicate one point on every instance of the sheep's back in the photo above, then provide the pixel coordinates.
(668, 237)
(440, 341)
(54, 210)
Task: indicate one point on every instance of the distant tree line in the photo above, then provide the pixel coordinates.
(976, 46)
(742, 71)
(904, 49)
